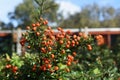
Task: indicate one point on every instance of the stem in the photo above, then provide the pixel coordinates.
(41, 5)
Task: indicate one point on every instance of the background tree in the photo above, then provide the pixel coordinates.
(89, 16)
(108, 14)
(93, 16)
(2, 25)
(117, 17)
(25, 12)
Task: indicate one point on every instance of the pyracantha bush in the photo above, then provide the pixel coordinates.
(57, 50)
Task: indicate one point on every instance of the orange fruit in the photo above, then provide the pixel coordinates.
(41, 19)
(49, 48)
(80, 34)
(34, 28)
(67, 45)
(43, 50)
(89, 47)
(37, 24)
(28, 27)
(73, 42)
(33, 68)
(68, 63)
(44, 38)
(61, 41)
(74, 53)
(37, 33)
(49, 66)
(45, 22)
(56, 68)
(59, 28)
(49, 28)
(63, 51)
(14, 69)
(52, 56)
(74, 36)
(8, 66)
(68, 42)
(28, 47)
(33, 25)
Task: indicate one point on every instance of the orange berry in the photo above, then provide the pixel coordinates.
(41, 19)
(100, 40)
(89, 47)
(68, 42)
(34, 28)
(49, 66)
(70, 58)
(67, 45)
(56, 68)
(72, 45)
(49, 48)
(67, 36)
(73, 42)
(76, 42)
(68, 63)
(52, 37)
(59, 28)
(44, 68)
(52, 32)
(14, 69)
(52, 56)
(28, 27)
(50, 42)
(85, 36)
(61, 41)
(97, 37)
(43, 50)
(37, 33)
(34, 65)
(44, 42)
(33, 25)
(33, 68)
(8, 66)
(78, 38)
(68, 32)
(60, 79)
(28, 47)
(74, 36)
(46, 61)
(37, 24)
(80, 34)
(49, 28)
(44, 38)
(45, 22)
(63, 51)
(74, 53)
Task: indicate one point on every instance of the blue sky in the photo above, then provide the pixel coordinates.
(67, 6)
(114, 3)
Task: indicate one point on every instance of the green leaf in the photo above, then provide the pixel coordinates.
(96, 71)
(68, 50)
(62, 66)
